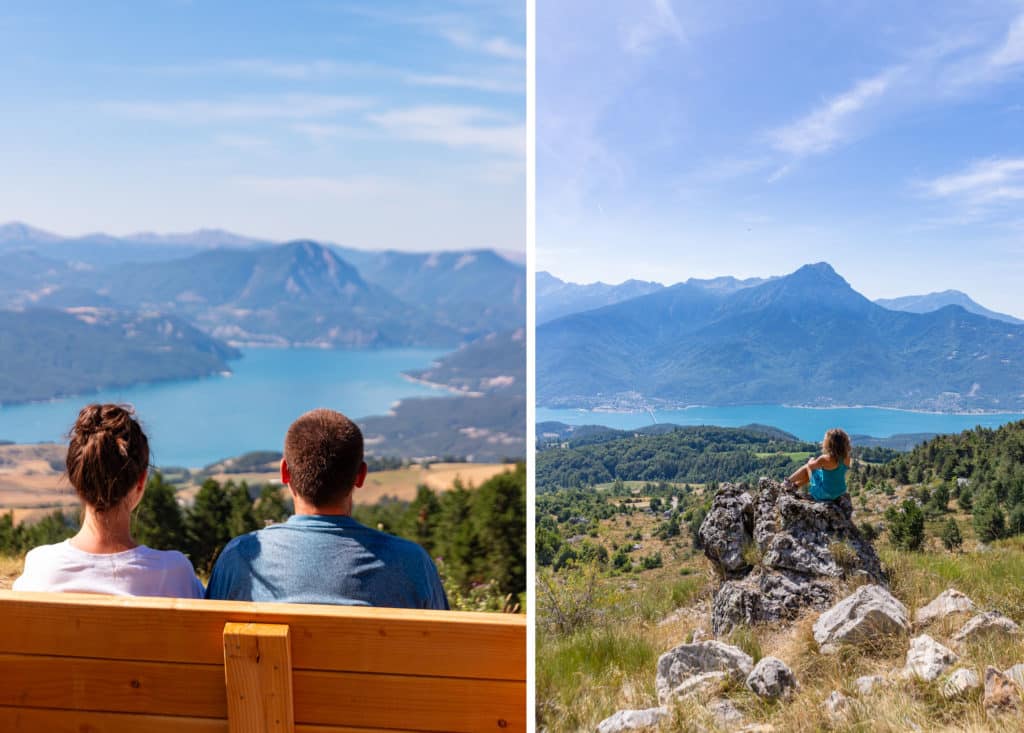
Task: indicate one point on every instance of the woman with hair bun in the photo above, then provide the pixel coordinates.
(107, 463)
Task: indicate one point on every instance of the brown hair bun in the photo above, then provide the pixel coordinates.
(107, 454)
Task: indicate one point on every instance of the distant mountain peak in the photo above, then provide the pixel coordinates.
(20, 232)
(931, 302)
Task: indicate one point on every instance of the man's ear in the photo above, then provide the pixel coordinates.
(361, 476)
(286, 477)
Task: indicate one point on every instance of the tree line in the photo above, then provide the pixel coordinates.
(477, 536)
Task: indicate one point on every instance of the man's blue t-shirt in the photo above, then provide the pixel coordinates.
(326, 559)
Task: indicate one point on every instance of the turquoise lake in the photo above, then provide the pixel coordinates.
(806, 424)
(199, 421)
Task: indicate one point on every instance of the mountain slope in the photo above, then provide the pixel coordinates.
(807, 338)
(298, 293)
(934, 301)
(475, 291)
(51, 353)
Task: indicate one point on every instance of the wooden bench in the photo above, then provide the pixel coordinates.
(79, 663)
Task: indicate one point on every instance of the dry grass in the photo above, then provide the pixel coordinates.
(10, 569)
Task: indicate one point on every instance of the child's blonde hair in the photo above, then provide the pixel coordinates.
(837, 444)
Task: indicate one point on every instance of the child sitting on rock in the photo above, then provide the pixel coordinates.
(826, 474)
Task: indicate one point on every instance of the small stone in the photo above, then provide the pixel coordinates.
(757, 728)
(866, 685)
(725, 713)
(836, 704)
(867, 614)
(627, 720)
(961, 682)
(1016, 673)
(928, 659)
(678, 665)
(985, 626)
(698, 636)
(947, 603)
(1001, 694)
(772, 679)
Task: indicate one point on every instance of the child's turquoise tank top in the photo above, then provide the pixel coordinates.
(826, 484)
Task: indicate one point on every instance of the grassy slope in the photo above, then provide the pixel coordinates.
(609, 663)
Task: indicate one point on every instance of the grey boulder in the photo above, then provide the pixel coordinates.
(927, 659)
(988, 625)
(685, 661)
(772, 679)
(947, 603)
(866, 615)
(627, 720)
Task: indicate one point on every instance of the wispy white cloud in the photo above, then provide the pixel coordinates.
(456, 127)
(267, 67)
(477, 83)
(496, 46)
(318, 186)
(1011, 52)
(833, 122)
(242, 141)
(284, 107)
(657, 20)
(984, 182)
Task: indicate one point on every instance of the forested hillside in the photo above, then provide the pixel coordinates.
(671, 453)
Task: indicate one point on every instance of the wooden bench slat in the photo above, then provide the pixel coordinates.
(258, 676)
(328, 638)
(42, 720)
(38, 720)
(419, 703)
(71, 683)
(321, 698)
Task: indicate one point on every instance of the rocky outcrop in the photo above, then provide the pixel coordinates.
(690, 668)
(868, 615)
(629, 720)
(772, 679)
(947, 603)
(802, 549)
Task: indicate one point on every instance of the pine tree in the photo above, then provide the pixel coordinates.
(206, 524)
(271, 507)
(499, 522)
(158, 520)
(951, 536)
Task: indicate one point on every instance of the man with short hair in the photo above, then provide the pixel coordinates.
(321, 554)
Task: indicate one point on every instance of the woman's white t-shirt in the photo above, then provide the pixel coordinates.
(140, 571)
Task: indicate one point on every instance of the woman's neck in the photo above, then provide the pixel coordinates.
(104, 533)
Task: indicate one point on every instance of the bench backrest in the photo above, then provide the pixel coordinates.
(77, 662)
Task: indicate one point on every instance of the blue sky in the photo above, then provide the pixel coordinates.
(397, 124)
(680, 139)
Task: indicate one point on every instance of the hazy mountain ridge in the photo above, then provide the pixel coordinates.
(251, 292)
(806, 338)
(933, 301)
(557, 298)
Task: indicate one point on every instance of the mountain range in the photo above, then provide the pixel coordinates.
(251, 292)
(806, 338)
